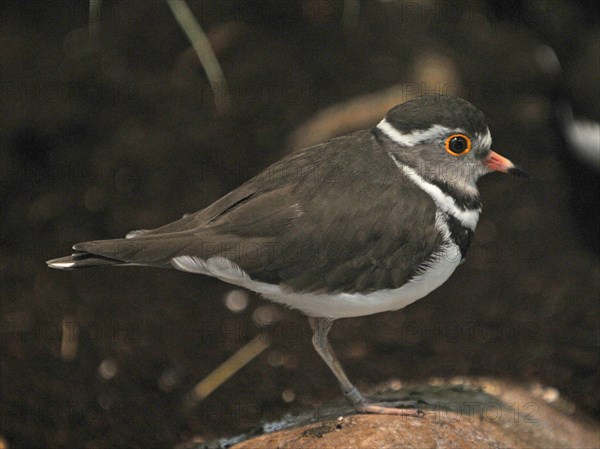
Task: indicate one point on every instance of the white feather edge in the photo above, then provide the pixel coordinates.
(61, 264)
(137, 233)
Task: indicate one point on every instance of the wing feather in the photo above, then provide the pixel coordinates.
(338, 216)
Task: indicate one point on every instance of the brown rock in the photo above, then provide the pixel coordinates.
(460, 413)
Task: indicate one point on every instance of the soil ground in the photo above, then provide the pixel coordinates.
(99, 139)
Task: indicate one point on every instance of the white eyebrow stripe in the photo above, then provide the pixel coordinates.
(416, 136)
(468, 218)
(485, 140)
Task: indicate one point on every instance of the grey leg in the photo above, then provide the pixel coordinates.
(320, 328)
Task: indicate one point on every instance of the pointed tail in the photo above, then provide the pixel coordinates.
(152, 250)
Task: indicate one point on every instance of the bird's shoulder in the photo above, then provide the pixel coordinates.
(296, 178)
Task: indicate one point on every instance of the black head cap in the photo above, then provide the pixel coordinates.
(429, 110)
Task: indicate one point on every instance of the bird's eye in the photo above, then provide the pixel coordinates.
(458, 144)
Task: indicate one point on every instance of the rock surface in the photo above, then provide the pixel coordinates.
(459, 413)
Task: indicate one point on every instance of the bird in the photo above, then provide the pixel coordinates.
(361, 224)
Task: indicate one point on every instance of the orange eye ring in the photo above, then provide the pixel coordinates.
(458, 144)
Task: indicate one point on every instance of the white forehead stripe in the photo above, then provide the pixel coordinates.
(444, 202)
(485, 139)
(414, 137)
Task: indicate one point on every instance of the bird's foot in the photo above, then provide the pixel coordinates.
(399, 408)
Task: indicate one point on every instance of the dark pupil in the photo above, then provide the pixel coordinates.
(458, 144)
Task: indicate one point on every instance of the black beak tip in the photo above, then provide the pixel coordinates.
(517, 171)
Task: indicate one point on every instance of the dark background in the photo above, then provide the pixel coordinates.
(99, 138)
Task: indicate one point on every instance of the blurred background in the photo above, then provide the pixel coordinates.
(109, 124)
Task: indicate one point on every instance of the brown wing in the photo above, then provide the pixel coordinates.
(338, 216)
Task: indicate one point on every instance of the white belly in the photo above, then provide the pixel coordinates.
(338, 305)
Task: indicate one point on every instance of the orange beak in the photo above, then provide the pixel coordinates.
(495, 162)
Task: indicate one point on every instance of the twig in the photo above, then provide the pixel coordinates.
(348, 116)
(206, 55)
(431, 69)
(70, 338)
(94, 19)
(350, 14)
(227, 369)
